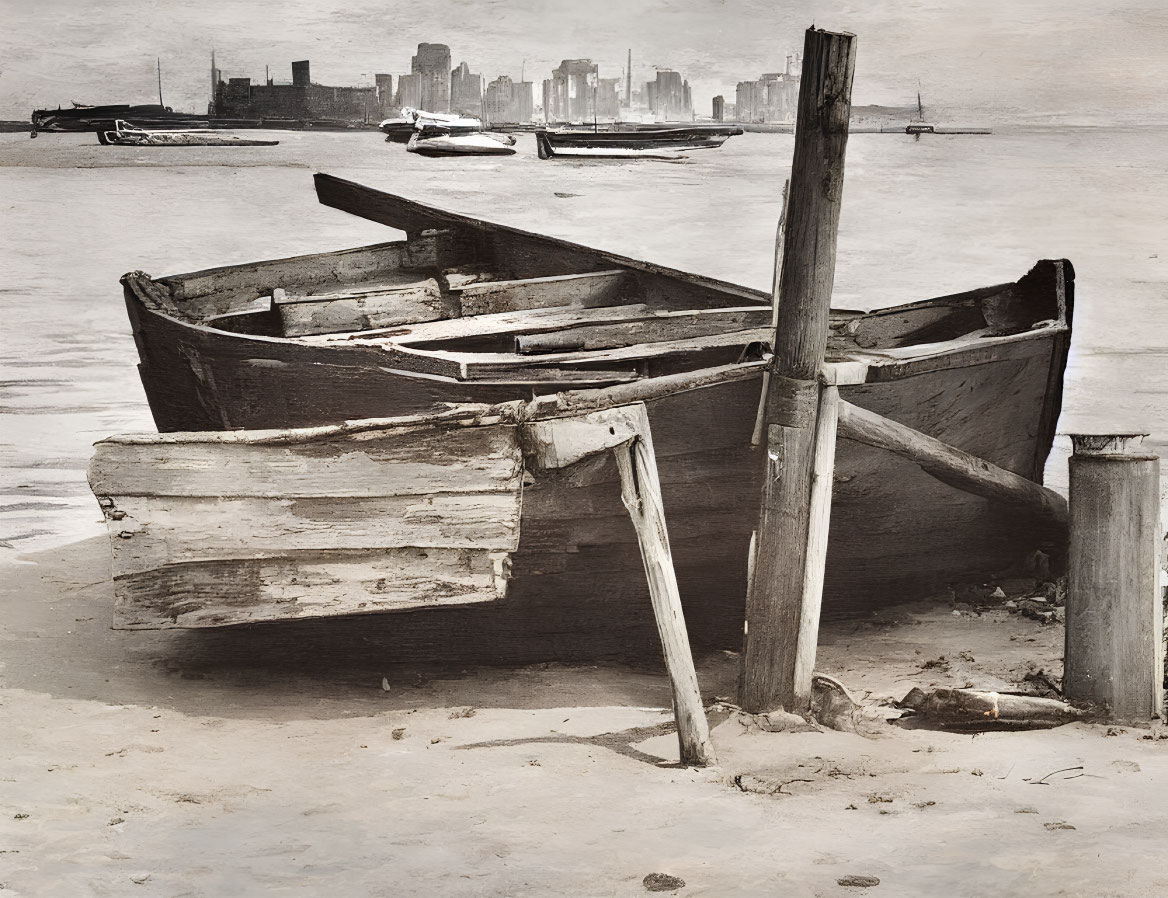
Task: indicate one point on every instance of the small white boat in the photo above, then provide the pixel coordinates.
(481, 143)
(402, 127)
(125, 134)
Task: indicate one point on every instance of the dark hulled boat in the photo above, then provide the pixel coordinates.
(465, 311)
(103, 118)
(630, 142)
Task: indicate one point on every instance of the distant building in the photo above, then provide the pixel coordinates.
(719, 111)
(507, 101)
(385, 98)
(772, 98)
(432, 66)
(747, 101)
(466, 91)
(299, 101)
(608, 99)
(409, 91)
(669, 97)
(567, 95)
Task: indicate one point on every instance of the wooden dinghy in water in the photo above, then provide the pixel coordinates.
(464, 311)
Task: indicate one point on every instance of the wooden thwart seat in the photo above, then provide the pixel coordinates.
(594, 288)
(370, 307)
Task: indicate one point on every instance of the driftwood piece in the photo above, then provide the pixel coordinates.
(968, 709)
(775, 598)
(1114, 641)
(307, 584)
(953, 466)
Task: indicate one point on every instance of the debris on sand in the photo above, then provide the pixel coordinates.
(858, 882)
(968, 709)
(662, 882)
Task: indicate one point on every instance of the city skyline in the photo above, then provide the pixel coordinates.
(981, 59)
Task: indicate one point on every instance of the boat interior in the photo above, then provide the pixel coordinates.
(498, 304)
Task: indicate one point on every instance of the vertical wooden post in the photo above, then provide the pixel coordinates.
(1113, 657)
(819, 519)
(641, 494)
(775, 598)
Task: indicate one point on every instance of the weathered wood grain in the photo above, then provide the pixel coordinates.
(208, 287)
(595, 288)
(209, 529)
(1114, 615)
(152, 532)
(819, 520)
(952, 466)
(641, 495)
(306, 584)
(330, 313)
(525, 253)
(405, 461)
(776, 593)
(559, 442)
(896, 531)
(653, 328)
(506, 325)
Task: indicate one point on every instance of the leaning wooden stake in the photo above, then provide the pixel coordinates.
(953, 466)
(1114, 644)
(555, 442)
(641, 494)
(776, 598)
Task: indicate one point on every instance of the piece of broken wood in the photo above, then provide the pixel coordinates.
(969, 709)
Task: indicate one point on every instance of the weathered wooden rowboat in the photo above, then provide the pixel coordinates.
(464, 311)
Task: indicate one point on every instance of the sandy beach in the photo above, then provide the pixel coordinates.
(223, 763)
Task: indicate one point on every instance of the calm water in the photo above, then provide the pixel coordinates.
(920, 219)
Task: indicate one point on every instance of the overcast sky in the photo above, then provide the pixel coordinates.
(992, 60)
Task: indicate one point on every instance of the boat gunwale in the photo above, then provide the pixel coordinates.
(880, 367)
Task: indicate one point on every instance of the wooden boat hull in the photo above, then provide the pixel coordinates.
(665, 143)
(688, 138)
(575, 588)
(102, 118)
(897, 533)
(545, 150)
(194, 138)
(476, 144)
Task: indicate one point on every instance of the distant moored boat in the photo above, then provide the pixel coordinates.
(412, 121)
(631, 143)
(125, 134)
(482, 143)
